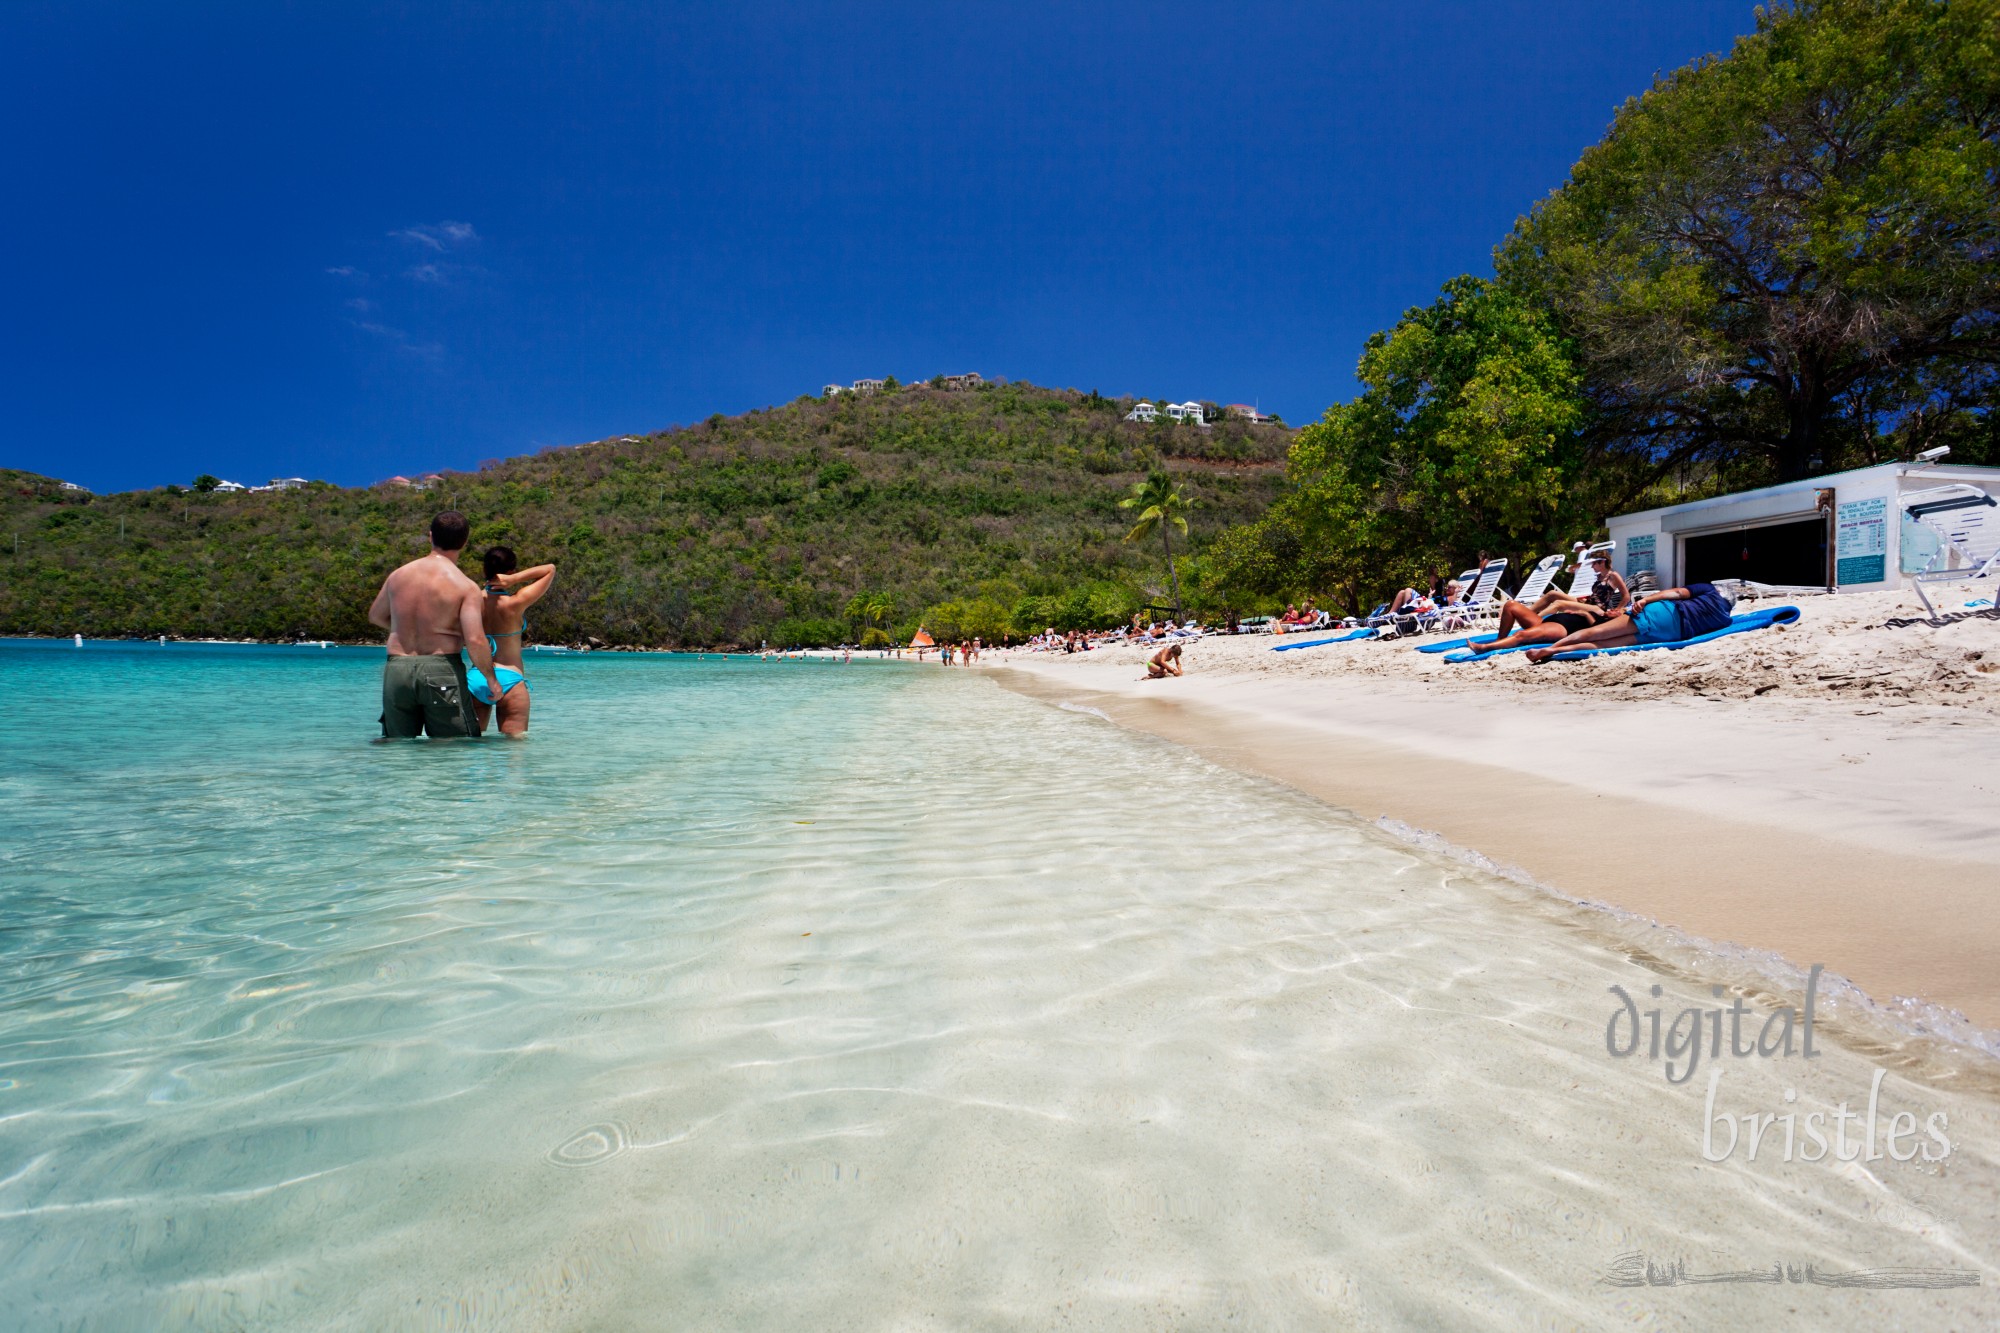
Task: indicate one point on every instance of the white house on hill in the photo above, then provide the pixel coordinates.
(1145, 411)
(1188, 412)
(830, 390)
(231, 486)
(867, 386)
(960, 383)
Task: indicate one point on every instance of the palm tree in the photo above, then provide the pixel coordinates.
(871, 608)
(1162, 505)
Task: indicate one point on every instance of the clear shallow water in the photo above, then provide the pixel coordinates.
(792, 995)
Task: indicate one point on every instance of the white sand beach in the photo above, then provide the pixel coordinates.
(1824, 791)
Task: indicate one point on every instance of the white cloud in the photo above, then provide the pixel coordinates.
(428, 273)
(401, 341)
(347, 271)
(360, 304)
(438, 237)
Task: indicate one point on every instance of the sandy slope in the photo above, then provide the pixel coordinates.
(1826, 791)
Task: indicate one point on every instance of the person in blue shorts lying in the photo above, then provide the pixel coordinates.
(1667, 616)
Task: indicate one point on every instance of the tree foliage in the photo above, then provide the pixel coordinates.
(1467, 435)
(1163, 506)
(1788, 261)
(708, 535)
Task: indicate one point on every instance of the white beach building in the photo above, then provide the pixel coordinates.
(1870, 529)
(1144, 411)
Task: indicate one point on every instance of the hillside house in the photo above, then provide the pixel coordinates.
(1246, 412)
(962, 383)
(868, 386)
(1144, 411)
(1188, 412)
(829, 390)
(231, 486)
(73, 488)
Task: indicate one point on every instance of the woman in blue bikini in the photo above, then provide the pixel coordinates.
(509, 594)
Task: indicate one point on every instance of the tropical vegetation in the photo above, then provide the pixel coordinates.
(1776, 264)
(992, 512)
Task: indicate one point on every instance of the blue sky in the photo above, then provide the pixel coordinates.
(346, 240)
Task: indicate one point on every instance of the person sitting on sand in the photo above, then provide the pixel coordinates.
(1164, 663)
(432, 611)
(1667, 616)
(509, 594)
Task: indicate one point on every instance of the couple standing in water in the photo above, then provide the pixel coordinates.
(432, 611)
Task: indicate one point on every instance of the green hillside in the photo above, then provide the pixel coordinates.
(999, 501)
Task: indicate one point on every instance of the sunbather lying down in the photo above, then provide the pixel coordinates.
(1666, 616)
(1550, 620)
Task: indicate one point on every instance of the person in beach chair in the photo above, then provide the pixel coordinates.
(1164, 663)
(1406, 601)
(509, 593)
(1296, 619)
(1555, 614)
(1604, 589)
(1667, 616)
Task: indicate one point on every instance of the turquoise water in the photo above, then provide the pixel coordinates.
(804, 996)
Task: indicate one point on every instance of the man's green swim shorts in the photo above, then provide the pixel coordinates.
(426, 696)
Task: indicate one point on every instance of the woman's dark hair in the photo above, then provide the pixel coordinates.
(500, 560)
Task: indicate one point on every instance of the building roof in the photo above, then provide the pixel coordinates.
(1943, 471)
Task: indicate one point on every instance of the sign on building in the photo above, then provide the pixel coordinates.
(1861, 541)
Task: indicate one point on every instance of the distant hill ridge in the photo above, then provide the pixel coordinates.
(729, 532)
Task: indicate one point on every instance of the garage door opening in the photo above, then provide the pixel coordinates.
(1787, 553)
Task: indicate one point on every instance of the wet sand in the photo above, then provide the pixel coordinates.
(1862, 840)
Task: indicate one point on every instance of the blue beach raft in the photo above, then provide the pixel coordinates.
(1749, 620)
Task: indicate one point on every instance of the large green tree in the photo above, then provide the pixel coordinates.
(1790, 257)
(1467, 436)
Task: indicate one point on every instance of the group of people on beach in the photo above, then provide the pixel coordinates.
(434, 611)
(1607, 616)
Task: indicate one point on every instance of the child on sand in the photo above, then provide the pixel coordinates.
(1166, 662)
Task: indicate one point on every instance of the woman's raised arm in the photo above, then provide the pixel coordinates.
(541, 576)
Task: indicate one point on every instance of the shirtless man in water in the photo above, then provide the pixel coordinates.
(432, 610)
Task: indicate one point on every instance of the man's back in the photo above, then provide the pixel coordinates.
(426, 597)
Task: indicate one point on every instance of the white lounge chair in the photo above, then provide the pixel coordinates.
(1951, 534)
(1482, 602)
(1540, 577)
